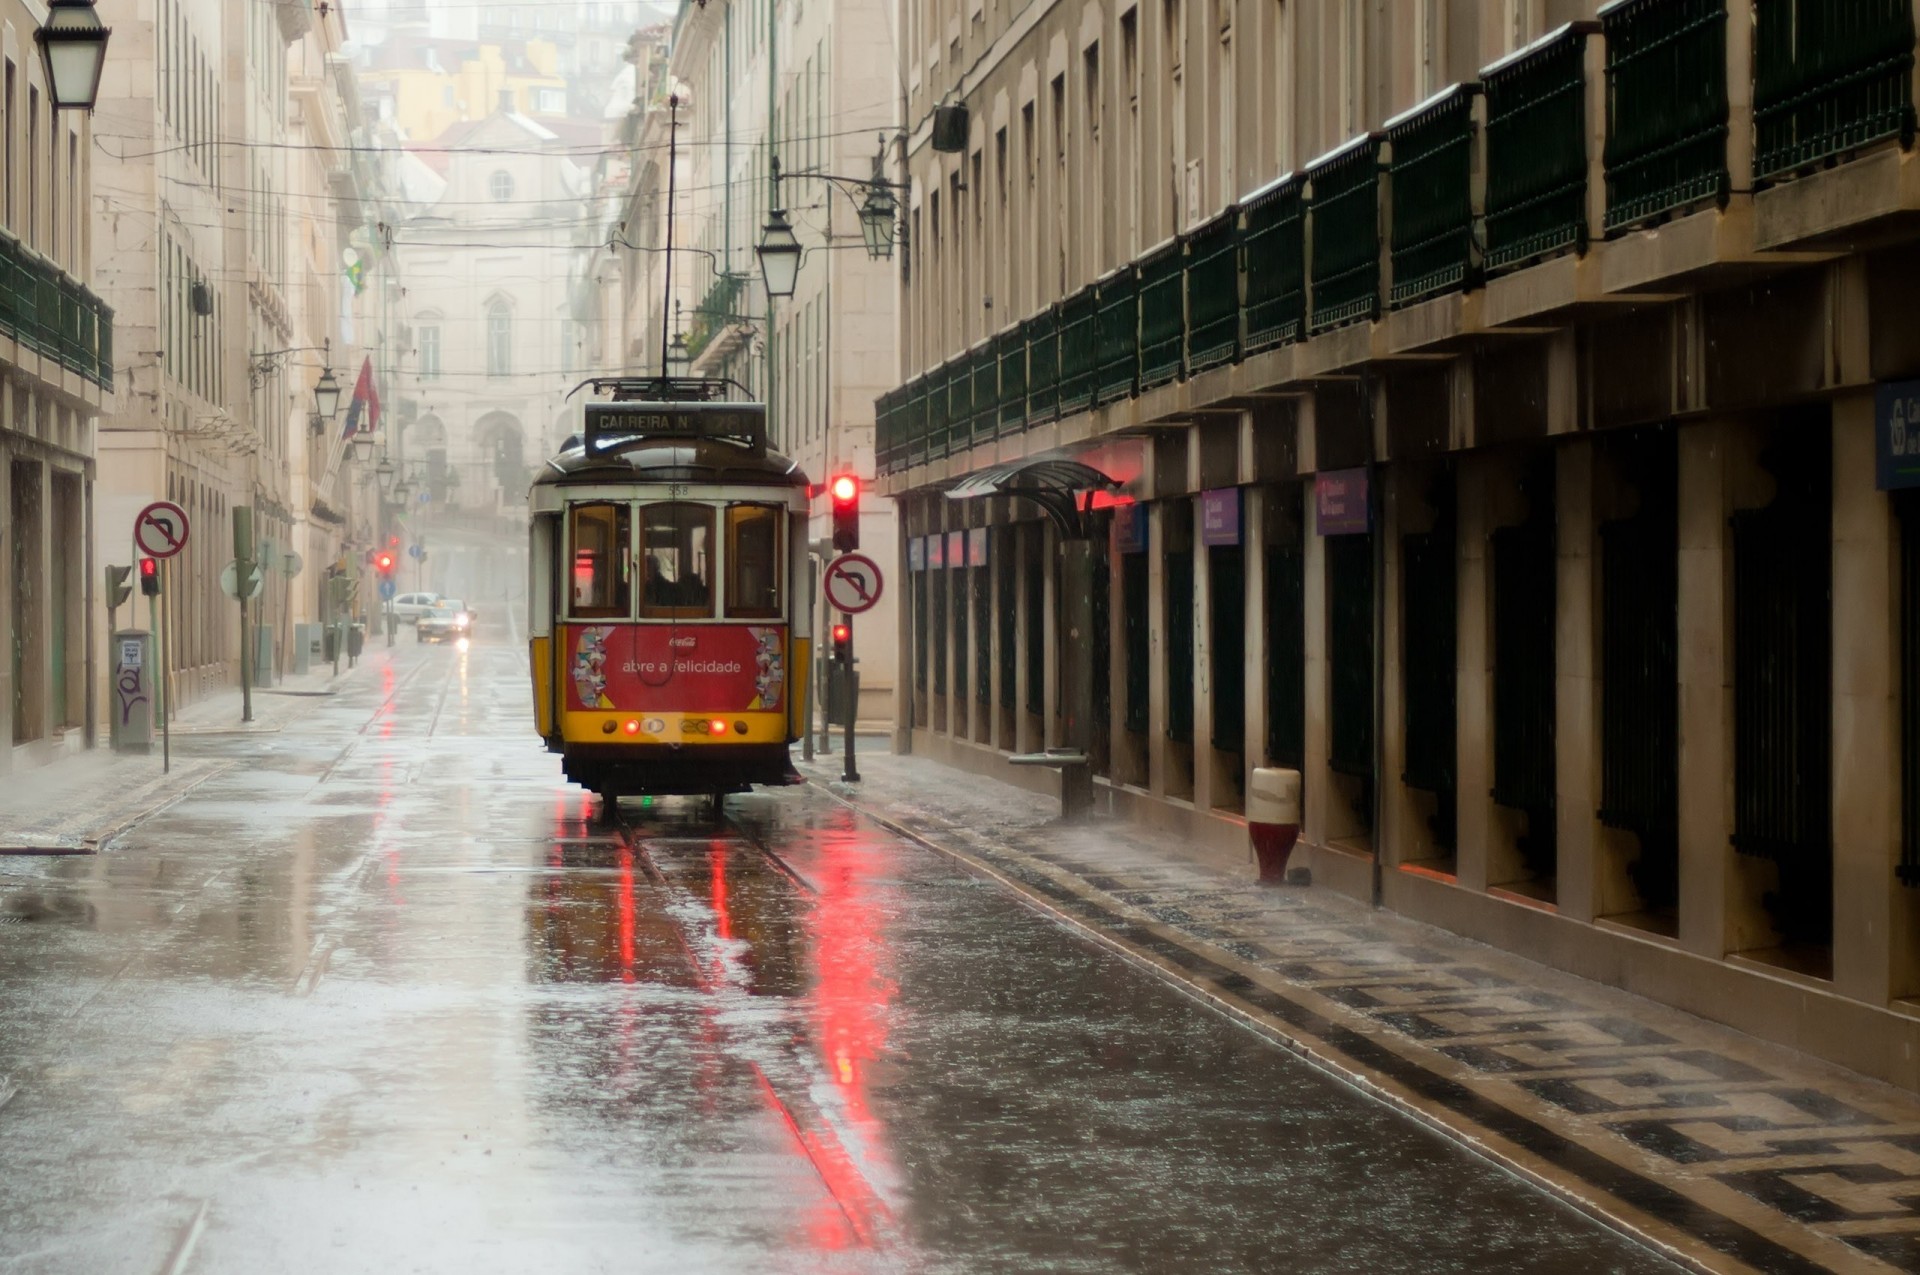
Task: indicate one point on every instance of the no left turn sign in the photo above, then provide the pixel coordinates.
(853, 583)
(161, 529)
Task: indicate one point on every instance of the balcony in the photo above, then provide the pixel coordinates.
(1333, 247)
(48, 311)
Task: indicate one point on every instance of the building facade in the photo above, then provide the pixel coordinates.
(56, 377)
(811, 89)
(1498, 414)
(209, 226)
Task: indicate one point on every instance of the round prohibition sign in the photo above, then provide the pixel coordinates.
(161, 529)
(853, 583)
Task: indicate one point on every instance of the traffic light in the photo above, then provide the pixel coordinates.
(383, 563)
(843, 642)
(845, 491)
(150, 577)
(119, 586)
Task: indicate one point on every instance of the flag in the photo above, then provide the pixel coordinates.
(366, 397)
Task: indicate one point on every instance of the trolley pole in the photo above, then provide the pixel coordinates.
(852, 772)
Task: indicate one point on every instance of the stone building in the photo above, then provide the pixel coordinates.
(1507, 412)
(209, 227)
(813, 88)
(56, 376)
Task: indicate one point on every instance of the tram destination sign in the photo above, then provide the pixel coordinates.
(609, 422)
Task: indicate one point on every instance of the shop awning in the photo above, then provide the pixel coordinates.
(1062, 488)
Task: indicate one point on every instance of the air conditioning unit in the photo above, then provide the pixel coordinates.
(950, 128)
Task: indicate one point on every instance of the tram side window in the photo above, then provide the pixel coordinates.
(677, 550)
(753, 561)
(600, 575)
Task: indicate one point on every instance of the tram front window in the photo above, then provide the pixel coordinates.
(599, 588)
(677, 549)
(753, 561)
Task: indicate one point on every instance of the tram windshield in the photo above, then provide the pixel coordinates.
(599, 587)
(753, 561)
(677, 549)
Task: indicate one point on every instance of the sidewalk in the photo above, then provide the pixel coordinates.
(80, 802)
(1729, 1153)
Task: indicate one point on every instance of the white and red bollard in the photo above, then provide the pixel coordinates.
(1273, 820)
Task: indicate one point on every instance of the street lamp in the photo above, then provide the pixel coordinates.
(679, 357)
(74, 46)
(363, 448)
(779, 254)
(877, 222)
(384, 472)
(326, 396)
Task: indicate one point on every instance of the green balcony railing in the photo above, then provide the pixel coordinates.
(939, 415)
(1431, 199)
(1079, 353)
(1010, 352)
(983, 368)
(959, 404)
(1212, 268)
(888, 430)
(1536, 201)
(715, 312)
(48, 311)
(1163, 316)
(1666, 107)
(1273, 239)
(1042, 335)
(1829, 76)
(1117, 344)
(1344, 261)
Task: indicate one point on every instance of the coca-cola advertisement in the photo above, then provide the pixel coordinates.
(670, 668)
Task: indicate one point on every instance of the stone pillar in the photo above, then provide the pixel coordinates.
(1048, 542)
(1325, 816)
(1024, 740)
(1706, 685)
(1399, 831)
(1156, 649)
(1474, 705)
(1202, 748)
(1868, 902)
(1253, 548)
(1576, 672)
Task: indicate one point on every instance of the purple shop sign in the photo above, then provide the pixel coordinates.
(1130, 528)
(1220, 517)
(1340, 500)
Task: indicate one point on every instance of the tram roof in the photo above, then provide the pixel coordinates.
(712, 461)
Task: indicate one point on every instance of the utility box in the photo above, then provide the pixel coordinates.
(305, 638)
(263, 656)
(130, 696)
(840, 706)
(356, 640)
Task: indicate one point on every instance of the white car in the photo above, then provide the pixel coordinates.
(411, 606)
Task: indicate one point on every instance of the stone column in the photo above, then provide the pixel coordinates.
(1253, 549)
(1325, 811)
(1156, 649)
(1869, 905)
(1577, 676)
(1706, 685)
(1203, 679)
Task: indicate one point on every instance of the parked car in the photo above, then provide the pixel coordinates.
(411, 606)
(440, 624)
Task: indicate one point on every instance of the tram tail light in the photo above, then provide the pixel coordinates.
(632, 726)
(716, 727)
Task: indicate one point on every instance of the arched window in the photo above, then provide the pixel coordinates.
(500, 185)
(499, 339)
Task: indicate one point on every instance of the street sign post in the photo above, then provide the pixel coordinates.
(853, 583)
(230, 581)
(160, 530)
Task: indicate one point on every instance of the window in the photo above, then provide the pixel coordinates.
(500, 185)
(601, 567)
(429, 353)
(753, 561)
(499, 339)
(677, 555)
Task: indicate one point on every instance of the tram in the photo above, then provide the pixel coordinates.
(669, 595)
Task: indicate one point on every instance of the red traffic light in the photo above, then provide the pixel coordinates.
(846, 489)
(150, 577)
(846, 512)
(842, 632)
(383, 563)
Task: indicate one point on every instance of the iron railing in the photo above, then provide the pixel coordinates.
(1212, 285)
(50, 312)
(983, 370)
(1273, 247)
(715, 312)
(1536, 200)
(1431, 197)
(1163, 315)
(1117, 343)
(1829, 76)
(1344, 256)
(1666, 107)
(1042, 333)
(1010, 352)
(1079, 350)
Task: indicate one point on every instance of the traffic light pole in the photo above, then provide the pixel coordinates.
(851, 774)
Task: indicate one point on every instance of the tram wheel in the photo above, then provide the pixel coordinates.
(609, 806)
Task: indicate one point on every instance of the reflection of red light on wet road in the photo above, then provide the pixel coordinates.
(626, 914)
(856, 1212)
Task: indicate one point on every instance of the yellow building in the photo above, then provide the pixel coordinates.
(424, 85)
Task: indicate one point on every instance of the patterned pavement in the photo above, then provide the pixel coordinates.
(1726, 1152)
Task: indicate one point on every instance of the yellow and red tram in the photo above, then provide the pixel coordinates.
(668, 596)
